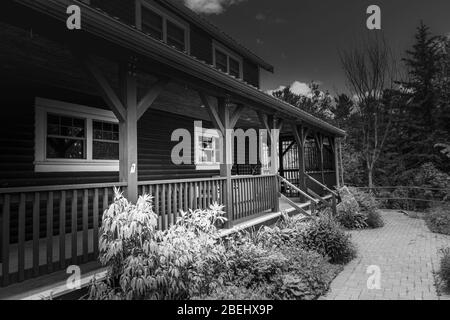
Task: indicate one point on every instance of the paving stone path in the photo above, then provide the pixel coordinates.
(407, 255)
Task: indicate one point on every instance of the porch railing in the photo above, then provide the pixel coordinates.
(46, 229)
(253, 194)
(250, 195)
(171, 196)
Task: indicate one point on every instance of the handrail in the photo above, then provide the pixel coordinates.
(403, 187)
(298, 190)
(324, 187)
(253, 176)
(154, 182)
(61, 187)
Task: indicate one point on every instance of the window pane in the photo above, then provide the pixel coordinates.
(105, 150)
(65, 126)
(60, 148)
(221, 61)
(235, 69)
(105, 131)
(152, 23)
(175, 36)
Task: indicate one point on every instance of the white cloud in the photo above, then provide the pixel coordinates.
(301, 88)
(210, 6)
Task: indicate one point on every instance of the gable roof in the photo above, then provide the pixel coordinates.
(215, 32)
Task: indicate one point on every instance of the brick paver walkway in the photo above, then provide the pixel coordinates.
(407, 254)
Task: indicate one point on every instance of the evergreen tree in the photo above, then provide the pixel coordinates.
(421, 118)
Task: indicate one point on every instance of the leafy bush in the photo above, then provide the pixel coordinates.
(325, 236)
(250, 264)
(232, 292)
(352, 220)
(307, 277)
(366, 200)
(145, 263)
(374, 219)
(358, 209)
(444, 271)
(438, 219)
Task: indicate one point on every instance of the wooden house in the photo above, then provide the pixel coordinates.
(87, 110)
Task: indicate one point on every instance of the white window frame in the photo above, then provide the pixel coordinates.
(166, 17)
(209, 133)
(41, 164)
(229, 54)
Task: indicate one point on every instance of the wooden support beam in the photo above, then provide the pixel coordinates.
(236, 115)
(128, 131)
(102, 85)
(152, 94)
(265, 123)
(227, 157)
(213, 114)
(319, 142)
(300, 139)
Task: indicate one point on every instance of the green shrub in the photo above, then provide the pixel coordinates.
(438, 219)
(145, 263)
(232, 292)
(374, 219)
(325, 236)
(352, 220)
(250, 264)
(307, 277)
(365, 200)
(444, 271)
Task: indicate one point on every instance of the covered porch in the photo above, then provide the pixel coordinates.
(51, 219)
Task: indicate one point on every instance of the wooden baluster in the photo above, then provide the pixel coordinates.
(86, 225)
(36, 233)
(62, 230)
(180, 199)
(169, 205)
(186, 197)
(95, 222)
(191, 196)
(158, 207)
(21, 244)
(6, 238)
(74, 228)
(50, 232)
(240, 198)
(163, 207)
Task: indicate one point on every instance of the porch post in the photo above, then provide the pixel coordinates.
(319, 143)
(227, 157)
(274, 157)
(299, 135)
(128, 130)
(336, 161)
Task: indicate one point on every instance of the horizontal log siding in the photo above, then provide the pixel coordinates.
(155, 147)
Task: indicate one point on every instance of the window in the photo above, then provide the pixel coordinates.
(227, 62)
(152, 24)
(207, 148)
(162, 26)
(74, 138)
(105, 141)
(66, 137)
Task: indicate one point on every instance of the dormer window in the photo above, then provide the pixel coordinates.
(162, 26)
(226, 61)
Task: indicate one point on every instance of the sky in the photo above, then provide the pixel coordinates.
(302, 38)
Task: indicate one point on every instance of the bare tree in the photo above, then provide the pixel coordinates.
(370, 71)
